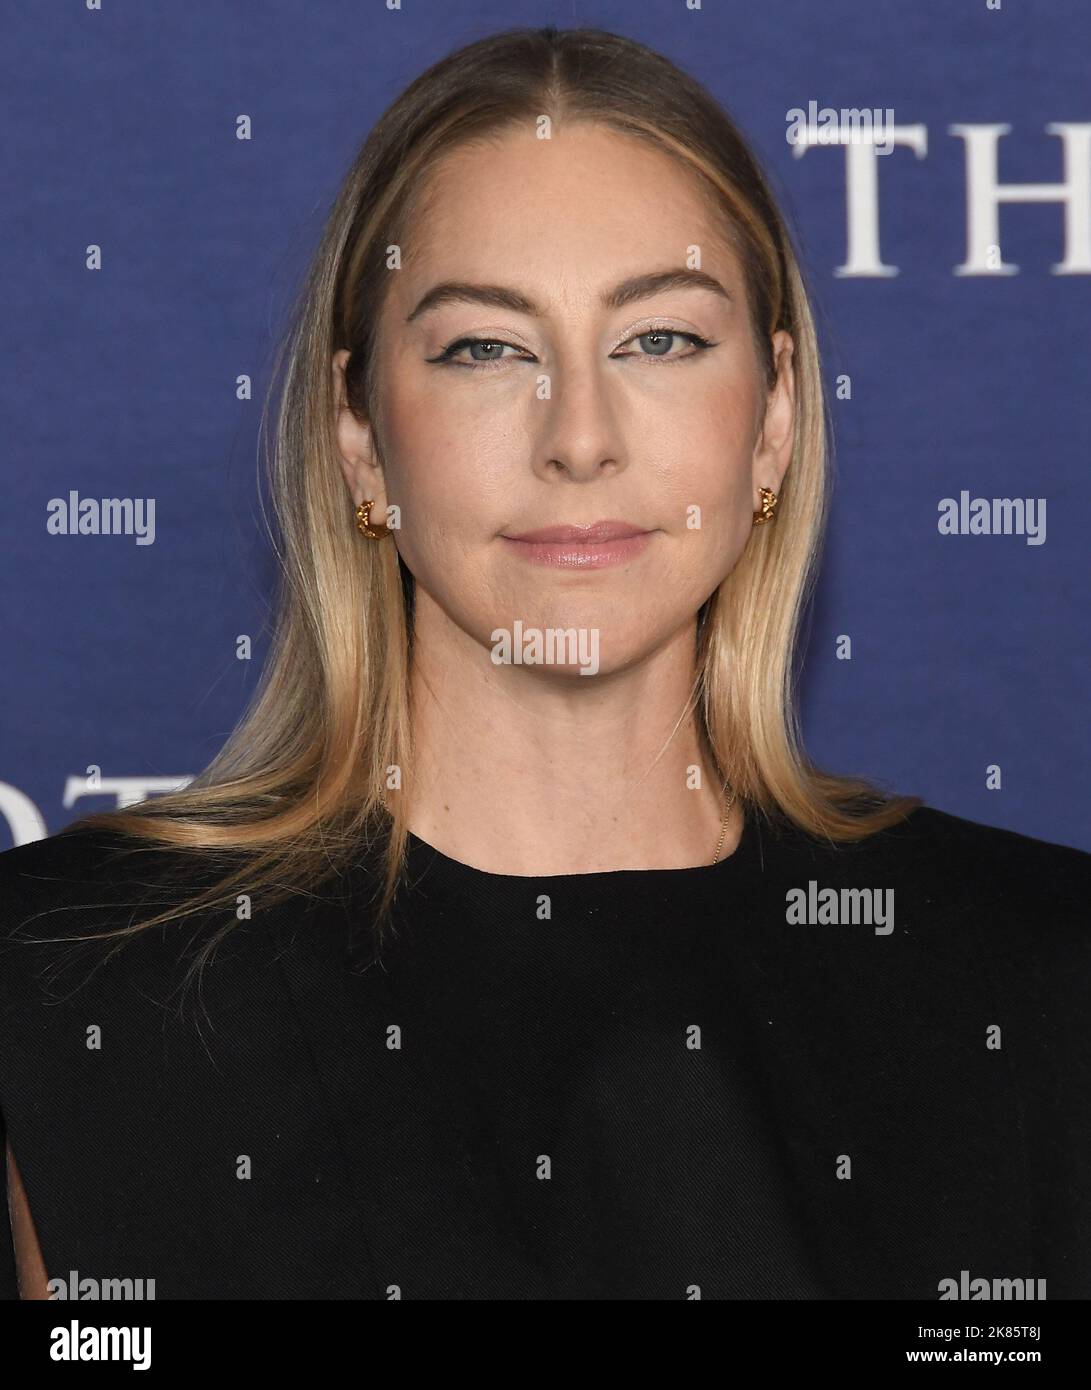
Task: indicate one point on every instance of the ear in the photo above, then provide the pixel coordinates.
(356, 445)
(773, 450)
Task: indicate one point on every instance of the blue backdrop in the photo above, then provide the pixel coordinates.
(121, 375)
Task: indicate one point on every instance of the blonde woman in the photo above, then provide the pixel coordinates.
(512, 947)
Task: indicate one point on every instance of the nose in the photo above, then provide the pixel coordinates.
(579, 436)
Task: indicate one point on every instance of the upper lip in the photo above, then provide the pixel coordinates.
(598, 531)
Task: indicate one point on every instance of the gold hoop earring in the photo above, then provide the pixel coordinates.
(374, 531)
(769, 501)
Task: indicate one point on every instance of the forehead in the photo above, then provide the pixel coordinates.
(565, 215)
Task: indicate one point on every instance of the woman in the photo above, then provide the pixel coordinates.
(534, 958)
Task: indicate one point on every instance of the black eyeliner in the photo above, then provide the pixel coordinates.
(445, 356)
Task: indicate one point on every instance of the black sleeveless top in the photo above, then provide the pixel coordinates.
(808, 1071)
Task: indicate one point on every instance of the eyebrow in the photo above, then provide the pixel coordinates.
(501, 297)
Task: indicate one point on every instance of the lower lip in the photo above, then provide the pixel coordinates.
(580, 555)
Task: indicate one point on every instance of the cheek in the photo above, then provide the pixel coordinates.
(441, 466)
(707, 458)
(441, 446)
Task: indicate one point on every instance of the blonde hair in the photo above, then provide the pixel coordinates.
(298, 791)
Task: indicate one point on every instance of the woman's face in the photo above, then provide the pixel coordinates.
(587, 400)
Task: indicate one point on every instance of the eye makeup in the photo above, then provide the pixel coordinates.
(448, 355)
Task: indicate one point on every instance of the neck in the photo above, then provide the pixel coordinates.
(530, 770)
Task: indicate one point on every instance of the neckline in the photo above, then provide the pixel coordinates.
(424, 857)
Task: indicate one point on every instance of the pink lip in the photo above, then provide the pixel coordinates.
(581, 547)
(600, 531)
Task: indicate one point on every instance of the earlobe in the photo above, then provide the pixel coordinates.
(353, 481)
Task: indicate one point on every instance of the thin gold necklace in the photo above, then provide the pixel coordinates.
(723, 827)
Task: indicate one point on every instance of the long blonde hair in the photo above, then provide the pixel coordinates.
(299, 789)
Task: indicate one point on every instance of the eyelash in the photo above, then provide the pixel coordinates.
(446, 357)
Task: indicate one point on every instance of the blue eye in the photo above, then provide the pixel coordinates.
(660, 341)
(491, 346)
